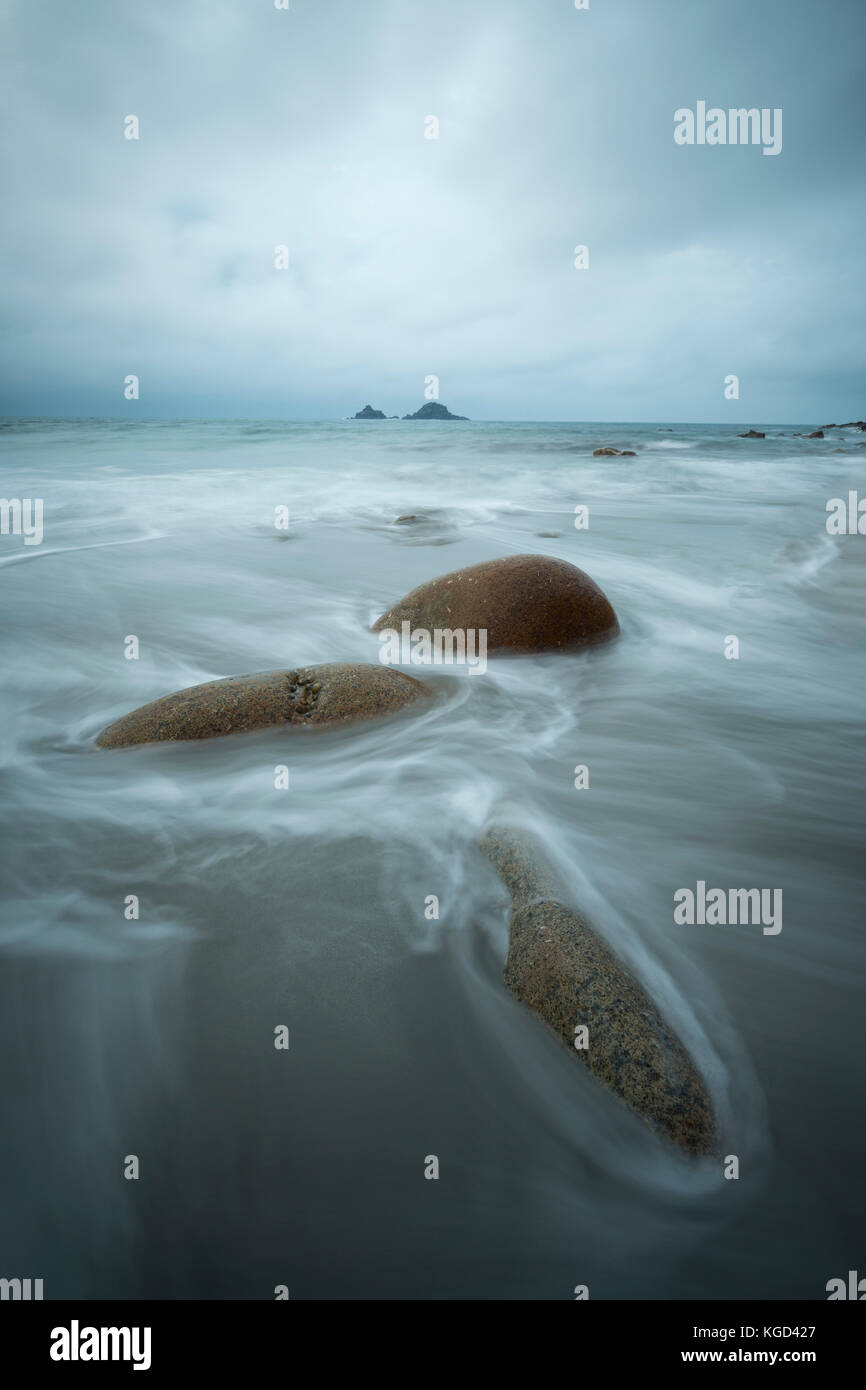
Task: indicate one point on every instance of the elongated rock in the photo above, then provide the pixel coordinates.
(313, 696)
(561, 968)
(530, 603)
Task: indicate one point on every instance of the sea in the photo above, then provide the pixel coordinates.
(171, 911)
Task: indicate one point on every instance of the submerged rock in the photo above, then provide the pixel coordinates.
(313, 696)
(530, 603)
(560, 967)
(434, 410)
(614, 453)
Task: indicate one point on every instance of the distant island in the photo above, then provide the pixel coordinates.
(433, 410)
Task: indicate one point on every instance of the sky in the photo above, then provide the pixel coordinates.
(411, 257)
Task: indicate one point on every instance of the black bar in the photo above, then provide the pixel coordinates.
(231, 1337)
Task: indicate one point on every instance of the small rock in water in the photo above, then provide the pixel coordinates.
(530, 603)
(560, 967)
(614, 453)
(752, 434)
(816, 434)
(314, 696)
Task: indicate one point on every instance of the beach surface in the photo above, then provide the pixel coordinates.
(306, 906)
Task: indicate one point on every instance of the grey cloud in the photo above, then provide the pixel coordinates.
(410, 256)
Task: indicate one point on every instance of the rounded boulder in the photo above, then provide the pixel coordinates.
(313, 696)
(528, 603)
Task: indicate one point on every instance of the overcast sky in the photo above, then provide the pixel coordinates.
(411, 256)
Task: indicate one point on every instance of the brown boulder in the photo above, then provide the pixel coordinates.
(530, 603)
(561, 968)
(312, 697)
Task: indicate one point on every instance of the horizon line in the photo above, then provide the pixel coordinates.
(352, 419)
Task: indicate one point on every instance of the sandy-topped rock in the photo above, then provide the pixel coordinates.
(530, 603)
(561, 968)
(311, 697)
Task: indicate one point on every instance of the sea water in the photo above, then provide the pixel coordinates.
(167, 908)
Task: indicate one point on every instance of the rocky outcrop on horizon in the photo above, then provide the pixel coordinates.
(434, 410)
(431, 410)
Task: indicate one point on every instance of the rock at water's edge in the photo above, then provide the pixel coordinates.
(313, 696)
(529, 603)
(560, 967)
